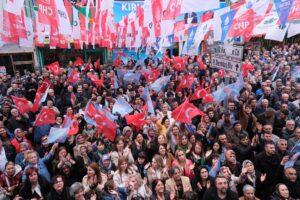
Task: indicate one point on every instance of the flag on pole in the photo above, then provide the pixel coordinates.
(185, 112)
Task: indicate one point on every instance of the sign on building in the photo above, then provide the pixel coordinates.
(227, 57)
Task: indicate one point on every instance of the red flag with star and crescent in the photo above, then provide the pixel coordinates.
(45, 117)
(185, 112)
(39, 94)
(54, 68)
(137, 120)
(179, 63)
(186, 82)
(151, 75)
(22, 104)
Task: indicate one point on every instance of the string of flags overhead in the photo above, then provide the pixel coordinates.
(61, 24)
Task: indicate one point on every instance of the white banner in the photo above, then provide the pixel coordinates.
(276, 33)
(14, 6)
(226, 64)
(63, 19)
(266, 24)
(188, 6)
(229, 51)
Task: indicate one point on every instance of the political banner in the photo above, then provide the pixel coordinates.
(122, 8)
(231, 52)
(225, 64)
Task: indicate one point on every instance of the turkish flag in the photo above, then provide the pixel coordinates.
(22, 104)
(54, 68)
(178, 63)
(151, 75)
(202, 66)
(107, 128)
(98, 82)
(137, 120)
(208, 98)
(74, 76)
(246, 67)
(97, 64)
(242, 26)
(78, 62)
(46, 116)
(39, 94)
(173, 10)
(186, 82)
(185, 112)
(199, 93)
(157, 12)
(73, 129)
(91, 110)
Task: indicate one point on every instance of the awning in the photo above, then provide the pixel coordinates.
(14, 48)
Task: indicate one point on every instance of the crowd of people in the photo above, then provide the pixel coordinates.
(242, 148)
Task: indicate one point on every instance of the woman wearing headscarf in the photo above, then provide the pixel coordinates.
(250, 176)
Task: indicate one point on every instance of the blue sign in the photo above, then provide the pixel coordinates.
(123, 8)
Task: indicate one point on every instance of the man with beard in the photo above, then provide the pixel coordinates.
(221, 191)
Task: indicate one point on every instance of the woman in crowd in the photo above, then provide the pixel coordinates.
(20, 157)
(185, 165)
(281, 193)
(196, 155)
(35, 186)
(77, 191)
(58, 191)
(159, 191)
(137, 188)
(121, 151)
(112, 192)
(123, 171)
(62, 158)
(11, 180)
(94, 180)
(167, 157)
(157, 169)
(202, 181)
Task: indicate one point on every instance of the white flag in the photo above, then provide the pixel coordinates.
(189, 6)
(276, 33)
(294, 29)
(64, 27)
(14, 6)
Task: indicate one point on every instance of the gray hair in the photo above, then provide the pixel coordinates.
(75, 188)
(247, 187)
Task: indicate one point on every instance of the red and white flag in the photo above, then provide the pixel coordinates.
(186, 82)
(22, 104)
(243, 25)
(14, 6)
(151, 75)
(295, 11)
(39, 96)
(157, 12)
(185, 112)
(47, 12)
(74, 76)
(179, 63)
(54, 68)
(173, 10)
(45, 117)
(199, 93)
(137, 120)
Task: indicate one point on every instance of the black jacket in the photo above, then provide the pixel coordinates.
(211, 194)
(53, 195)
(26, 192)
